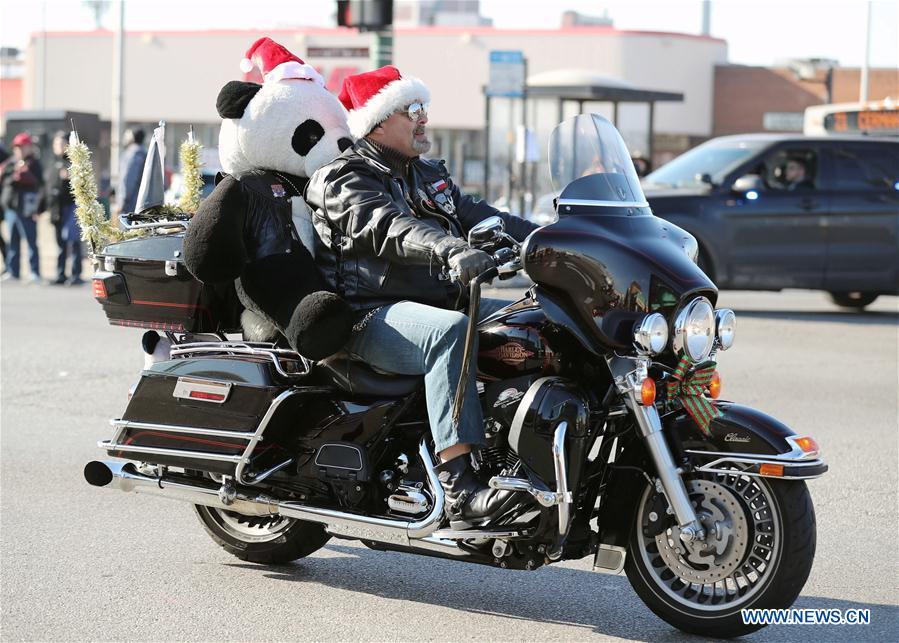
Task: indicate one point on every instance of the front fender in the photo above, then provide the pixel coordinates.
(746, 438)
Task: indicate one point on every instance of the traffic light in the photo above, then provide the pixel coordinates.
(365, 15)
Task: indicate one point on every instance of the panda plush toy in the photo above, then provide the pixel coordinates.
(255, 229)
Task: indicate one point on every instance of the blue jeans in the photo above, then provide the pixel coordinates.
(22, 226)
(415, 339)
(68, 238)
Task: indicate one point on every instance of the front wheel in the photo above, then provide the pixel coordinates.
(857, 300)
(758, 553)
(262, 539)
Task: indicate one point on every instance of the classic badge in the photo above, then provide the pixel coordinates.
(278, 190)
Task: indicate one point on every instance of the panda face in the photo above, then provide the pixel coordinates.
(294, 126)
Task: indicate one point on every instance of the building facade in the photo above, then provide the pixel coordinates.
(176, 75)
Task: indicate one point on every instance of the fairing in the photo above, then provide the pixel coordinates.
(610, 267)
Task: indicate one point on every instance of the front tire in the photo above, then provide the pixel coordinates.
(856, 300)
(270, 540)
(762, 537)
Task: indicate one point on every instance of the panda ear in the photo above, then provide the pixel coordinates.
(234, 98)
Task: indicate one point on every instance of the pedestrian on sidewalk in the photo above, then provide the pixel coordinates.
(61, 205)
(21, 183)
(131, 168)
(4, 154)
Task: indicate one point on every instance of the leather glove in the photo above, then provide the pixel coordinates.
(468, 263)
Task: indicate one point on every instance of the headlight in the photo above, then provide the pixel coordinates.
(725, 327)
(694, 330)
(651, 336)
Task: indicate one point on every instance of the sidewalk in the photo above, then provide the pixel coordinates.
(48, 252)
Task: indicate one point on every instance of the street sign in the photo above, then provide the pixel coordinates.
(507, 71)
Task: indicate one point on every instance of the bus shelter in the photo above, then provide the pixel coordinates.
(575, 87)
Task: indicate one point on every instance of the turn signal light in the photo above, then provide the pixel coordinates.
(807, 444)
(715, 386)
(99, 289)
(648, 392)
(771, 470)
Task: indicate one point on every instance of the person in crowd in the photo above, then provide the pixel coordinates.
(4, 155)
(61, 205)
(392, 226)
(131, 168)
(21, 183)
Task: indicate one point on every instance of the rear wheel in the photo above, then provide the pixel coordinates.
(758, 553)
(262, 539)
(855, 299)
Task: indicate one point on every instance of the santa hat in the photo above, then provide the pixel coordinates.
(372, 97)
(277, 63)
(22, 139)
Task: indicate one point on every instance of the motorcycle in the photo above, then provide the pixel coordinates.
(601, 407)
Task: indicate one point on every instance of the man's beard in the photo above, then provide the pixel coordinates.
(421, 147)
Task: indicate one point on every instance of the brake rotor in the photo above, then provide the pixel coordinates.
(727, 536)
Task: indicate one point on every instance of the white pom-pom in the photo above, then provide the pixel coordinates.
(246, 65)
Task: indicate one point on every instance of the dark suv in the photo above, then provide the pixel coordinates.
(775, 211)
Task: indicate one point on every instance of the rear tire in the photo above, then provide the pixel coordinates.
(857, 300)
(765, 564)
(268, 540)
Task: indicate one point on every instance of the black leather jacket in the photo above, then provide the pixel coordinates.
(385, 231)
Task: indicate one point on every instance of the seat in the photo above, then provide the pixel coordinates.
(358, 378)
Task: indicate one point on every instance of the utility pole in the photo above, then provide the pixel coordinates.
(863, 85)
(118, 93)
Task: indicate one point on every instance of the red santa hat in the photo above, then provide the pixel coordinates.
(22, 139)
(373, 96)
(277, 63)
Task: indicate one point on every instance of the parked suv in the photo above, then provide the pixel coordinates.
(775, 211)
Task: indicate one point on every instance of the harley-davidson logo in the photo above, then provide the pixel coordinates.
(511, 353)
(735, 437)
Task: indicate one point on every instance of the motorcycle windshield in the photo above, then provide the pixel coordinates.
(589, 164)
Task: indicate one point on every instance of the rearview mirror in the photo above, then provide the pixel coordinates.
(747, 183)
(487, 230)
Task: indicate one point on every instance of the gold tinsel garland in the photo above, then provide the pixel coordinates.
(192, 181)
(96, 229)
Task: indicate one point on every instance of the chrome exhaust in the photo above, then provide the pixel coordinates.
(125, 477)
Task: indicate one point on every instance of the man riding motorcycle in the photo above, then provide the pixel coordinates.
(391, 224)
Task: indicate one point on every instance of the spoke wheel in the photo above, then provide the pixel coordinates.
(262, 539)
(738, 556)
(255, 529)
(758, 552)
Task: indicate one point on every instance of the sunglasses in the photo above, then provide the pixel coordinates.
(417, 111)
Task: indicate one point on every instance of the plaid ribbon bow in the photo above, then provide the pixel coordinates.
(687, 385)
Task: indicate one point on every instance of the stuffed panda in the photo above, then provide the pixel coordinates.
(255, 229)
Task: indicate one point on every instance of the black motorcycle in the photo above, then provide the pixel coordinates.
(599, 394)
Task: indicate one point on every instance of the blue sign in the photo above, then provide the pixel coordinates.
(507, 74)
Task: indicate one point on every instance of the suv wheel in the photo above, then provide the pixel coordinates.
(855, 299)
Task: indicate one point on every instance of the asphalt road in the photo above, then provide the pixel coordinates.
(80, 563)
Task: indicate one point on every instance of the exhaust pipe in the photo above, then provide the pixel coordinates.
(125, 477)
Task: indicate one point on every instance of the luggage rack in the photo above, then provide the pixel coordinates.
(287, 363)
(152, 223)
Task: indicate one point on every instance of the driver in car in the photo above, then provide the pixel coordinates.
(391, 225)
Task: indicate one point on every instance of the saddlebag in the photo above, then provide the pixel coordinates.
(207, 412)
(143, 283)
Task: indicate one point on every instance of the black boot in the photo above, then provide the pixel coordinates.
(468, 501)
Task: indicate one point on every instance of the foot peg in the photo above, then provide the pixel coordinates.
(544, 497)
